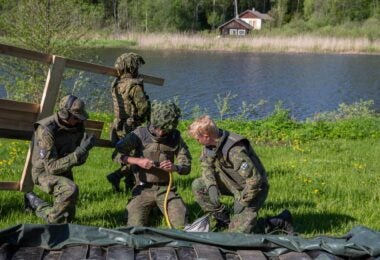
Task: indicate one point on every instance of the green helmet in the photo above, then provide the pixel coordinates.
(128, 63)
(164, 115)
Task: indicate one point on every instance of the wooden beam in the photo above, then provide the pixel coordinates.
(19, 106)
(9, 185)
(70, 63)
(49, 98)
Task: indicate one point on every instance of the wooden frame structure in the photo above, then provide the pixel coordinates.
(17, 118)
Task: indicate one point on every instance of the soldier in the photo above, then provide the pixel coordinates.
(230, 167)
(131, 109)
(59, 144)
(156, 146)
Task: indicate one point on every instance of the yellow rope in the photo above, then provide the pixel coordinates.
(166, 213)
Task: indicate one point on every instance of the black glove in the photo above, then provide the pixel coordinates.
(222, 219)
(214, 195)
(238, 207)
(87, 142)
(85, 145)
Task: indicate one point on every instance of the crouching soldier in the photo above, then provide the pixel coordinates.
(156, 147)
(230, 167)
(59, 144)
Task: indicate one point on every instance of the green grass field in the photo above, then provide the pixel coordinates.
(329, 184)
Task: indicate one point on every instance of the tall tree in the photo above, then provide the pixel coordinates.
(51, 27)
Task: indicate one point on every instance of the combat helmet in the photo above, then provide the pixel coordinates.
(128, 63)
(164, 115)
(71, 104)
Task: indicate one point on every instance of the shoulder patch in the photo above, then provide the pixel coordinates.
(43, 153)
(244, 166)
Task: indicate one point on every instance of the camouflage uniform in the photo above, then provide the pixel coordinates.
(131, 105)
(152, 184)
(53, 157)
(234, 168)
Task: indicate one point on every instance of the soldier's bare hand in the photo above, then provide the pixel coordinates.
(167, 166)
(145, 163)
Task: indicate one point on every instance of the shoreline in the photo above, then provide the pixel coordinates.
(301, 44)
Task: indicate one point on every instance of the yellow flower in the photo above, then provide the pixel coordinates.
(316, 191)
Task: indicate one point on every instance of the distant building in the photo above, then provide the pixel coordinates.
(244, 23)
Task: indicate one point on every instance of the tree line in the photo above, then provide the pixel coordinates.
(201, 15)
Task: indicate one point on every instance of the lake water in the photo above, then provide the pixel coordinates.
(305, 83)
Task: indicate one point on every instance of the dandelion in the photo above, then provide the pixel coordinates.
(316, 191)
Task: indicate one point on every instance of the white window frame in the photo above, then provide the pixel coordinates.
(233, 31)
(241, 32)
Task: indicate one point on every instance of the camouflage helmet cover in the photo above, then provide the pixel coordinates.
(128, 62)
(73, 105)
(165, 115)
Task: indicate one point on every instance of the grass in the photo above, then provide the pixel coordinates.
(329, 184)
(251, 43)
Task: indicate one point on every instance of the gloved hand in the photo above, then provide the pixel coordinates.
(87, 142)
(222, 219)
(238, 207)
(214, 195)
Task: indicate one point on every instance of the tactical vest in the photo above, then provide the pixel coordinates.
(65, 139)
(222, 162)
(165, 149)
(124, 106)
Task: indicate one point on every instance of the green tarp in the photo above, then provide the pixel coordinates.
(359, 242)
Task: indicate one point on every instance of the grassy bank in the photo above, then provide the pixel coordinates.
(252, 43)
(329, 182)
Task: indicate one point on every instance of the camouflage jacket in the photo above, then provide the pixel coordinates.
(143, 144)
(130, 99)
(54, 145)
(234, 162)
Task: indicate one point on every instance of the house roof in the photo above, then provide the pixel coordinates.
(241, 22)
(256, 13)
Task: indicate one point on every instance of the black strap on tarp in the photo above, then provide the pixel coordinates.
(359, 242)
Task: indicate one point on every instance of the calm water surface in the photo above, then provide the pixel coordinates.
(305, 83)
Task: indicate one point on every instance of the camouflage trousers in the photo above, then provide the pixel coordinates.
(245, 221)
(65, 193)
(147, 197)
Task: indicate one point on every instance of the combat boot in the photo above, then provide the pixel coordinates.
(222, 219)
(129, 181)
(32, 201)
(283, 222)
(114, 178)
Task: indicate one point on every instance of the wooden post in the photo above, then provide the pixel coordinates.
(49, 98)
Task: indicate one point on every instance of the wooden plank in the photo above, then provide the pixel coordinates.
(120, 252)
(26, 54)
(207, 252)
(158, 253)
(9, 185)
(294, 256)
(74, 252)
(15, 125)
(30, 253)
(185, 253)
(52, 255)
(96, 253)
(93, 124)
(99, 69)
(18, 115)
(19, 106)
(49, 98)
(95, 132)
(75, 64)
(16, 134)
(103, 143)
(251, 254)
